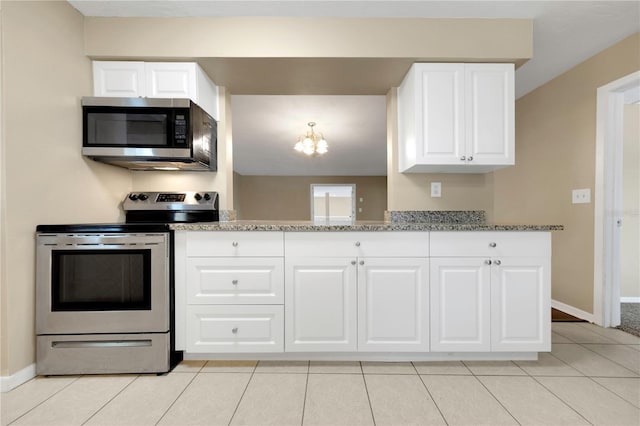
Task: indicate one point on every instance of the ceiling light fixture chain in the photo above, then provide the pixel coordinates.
(311, 143)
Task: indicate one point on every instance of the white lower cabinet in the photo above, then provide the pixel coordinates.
(393, 305)
(320, 305)
(460, 305)
(521, 304)
(236, 329)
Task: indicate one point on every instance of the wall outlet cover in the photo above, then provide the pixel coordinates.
(581, 196)
(436, 189)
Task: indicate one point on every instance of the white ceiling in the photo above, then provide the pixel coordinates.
(565, 34)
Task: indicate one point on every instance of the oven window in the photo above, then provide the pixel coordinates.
(101, 280)
(127, 129)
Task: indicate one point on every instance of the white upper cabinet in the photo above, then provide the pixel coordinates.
(456, 118)
(156, 80)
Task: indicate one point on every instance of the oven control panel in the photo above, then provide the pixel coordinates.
(176, 201)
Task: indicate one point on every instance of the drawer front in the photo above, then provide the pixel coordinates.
(214, 243)
(357, 244)
(235, 329)
(235, 281)
(490, 244)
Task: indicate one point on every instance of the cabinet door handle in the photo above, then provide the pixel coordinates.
(234, 330)
(487, 262)
(362, 262)
(492, 245)
(463, 158)
(470, 158)
(235, 244)
(357, 243)
(234, 282)
(497, 262)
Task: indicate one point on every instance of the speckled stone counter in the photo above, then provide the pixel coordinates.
(307, 226)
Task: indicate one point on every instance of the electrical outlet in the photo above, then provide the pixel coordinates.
(581, 196)
(436, 189)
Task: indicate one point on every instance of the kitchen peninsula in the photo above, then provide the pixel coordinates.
(421, 286)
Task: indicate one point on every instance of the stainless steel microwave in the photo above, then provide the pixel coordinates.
(149, 133)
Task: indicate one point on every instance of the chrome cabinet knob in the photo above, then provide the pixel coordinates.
(235, 244)
(470, 158)
(497, 262)
(357, 243)
(362, 262)
(353, 262)
(234, 330)
(487, 262)
(492, 245)
(234, 282)
(463, 158)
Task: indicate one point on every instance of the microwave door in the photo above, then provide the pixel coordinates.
(127, 129)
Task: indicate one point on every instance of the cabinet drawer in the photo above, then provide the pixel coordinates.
(214, 243)
(490, 244)
(212, 329)
(357, 244)
(230, 280)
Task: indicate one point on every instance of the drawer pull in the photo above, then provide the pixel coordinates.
(487, 262)
(362, 262)
(234, 282)
(234, 330)
(235, 244)
(357, 243)
(463, 158)
(470, 158)
(497, 262)
(492, 245)
(353, 262)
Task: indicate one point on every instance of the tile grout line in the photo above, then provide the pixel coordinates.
(560, 399)
(429, 393)
(177, 398)
(495, 397)
(366, 389)
(306, 387)
(614, 392)
(44, 400)
(606, 357)
(110, 399)
(255, 367)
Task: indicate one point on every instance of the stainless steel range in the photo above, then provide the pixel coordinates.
(104, 292)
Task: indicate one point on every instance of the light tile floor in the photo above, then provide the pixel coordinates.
(592, 376)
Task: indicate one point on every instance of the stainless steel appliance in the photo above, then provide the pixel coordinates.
(149, 133)
(104, 292)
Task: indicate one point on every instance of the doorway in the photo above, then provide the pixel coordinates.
(611, 101)
(333, 204)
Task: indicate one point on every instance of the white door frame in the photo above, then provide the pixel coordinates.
(608, 197)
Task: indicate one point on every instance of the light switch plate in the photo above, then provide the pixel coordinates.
(581, 196)
(436, 189)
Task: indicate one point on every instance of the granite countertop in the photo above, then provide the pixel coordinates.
(306, 226)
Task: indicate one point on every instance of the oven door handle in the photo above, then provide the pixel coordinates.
(100, 344)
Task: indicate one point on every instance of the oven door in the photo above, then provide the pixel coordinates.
(102, 283)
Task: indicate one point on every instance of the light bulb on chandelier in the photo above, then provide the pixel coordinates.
(312, 143)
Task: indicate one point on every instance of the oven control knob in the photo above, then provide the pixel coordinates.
(207, 196)
(198, 197)
(133, 197)
(143, 197)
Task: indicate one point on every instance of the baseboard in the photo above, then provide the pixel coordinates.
(579, 313)
(630, 300)
(10, 382)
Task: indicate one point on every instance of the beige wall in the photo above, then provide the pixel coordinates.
(45, 178)
(630, 235)
(220, 181)
(289, 197)
(555, 153)
(412, 191)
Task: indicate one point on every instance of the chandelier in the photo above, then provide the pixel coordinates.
(311, 143)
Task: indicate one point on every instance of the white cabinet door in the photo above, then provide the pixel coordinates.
(235, 329)
(118, 79)
(171, 80)
(235, 280)
(393, 305)
(520, 304)
(489, 101)
(320, 304)
(460, 304)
